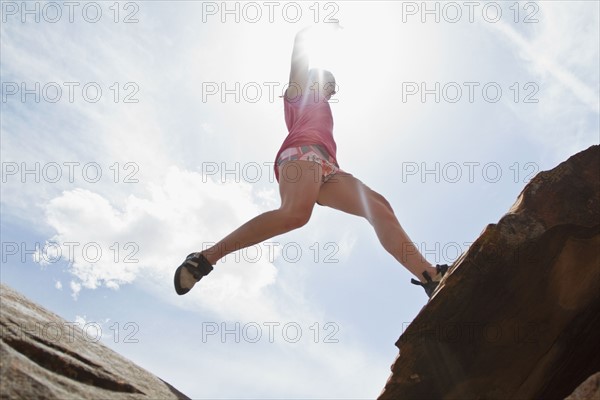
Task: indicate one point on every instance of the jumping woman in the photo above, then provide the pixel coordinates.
(307, 171)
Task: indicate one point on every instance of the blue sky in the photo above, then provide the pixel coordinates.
(131, 179)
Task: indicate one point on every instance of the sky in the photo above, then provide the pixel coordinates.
(134, 133)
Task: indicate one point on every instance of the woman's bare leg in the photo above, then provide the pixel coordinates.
(346, 193)
(299, 184)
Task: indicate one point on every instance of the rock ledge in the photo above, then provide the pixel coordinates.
(518, 317)
(44, 356)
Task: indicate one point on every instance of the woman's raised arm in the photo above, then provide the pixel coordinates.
(300, 63)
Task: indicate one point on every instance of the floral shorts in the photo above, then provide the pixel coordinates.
(311, 152)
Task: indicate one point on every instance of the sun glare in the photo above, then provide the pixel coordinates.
(373, 44)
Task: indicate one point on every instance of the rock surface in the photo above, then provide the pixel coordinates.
(518, 317)
(44, 356)
(588, 390)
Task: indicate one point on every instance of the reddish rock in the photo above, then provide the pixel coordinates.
(43, 356)
(518, 317)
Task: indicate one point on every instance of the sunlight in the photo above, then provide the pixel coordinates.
(370, 59)
(373, 40)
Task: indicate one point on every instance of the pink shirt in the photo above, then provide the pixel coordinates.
(309, 121)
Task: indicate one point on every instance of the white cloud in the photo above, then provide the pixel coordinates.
(148, 238)
(75, 289)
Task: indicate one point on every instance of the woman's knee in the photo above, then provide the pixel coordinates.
(385, 203)
(378, 201)
(294, 219)
(380, 208)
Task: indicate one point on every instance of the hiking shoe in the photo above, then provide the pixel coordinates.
(432, 283)
(190, 272)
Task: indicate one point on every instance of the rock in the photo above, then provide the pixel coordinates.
(588, 390)
(44, 356)
(518, 316)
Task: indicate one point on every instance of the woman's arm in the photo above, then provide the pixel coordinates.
(300, 62)
(300, 56)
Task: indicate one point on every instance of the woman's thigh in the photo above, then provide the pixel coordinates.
(346, 193)
(299, 184)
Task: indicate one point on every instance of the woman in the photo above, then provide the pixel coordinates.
(307, 172)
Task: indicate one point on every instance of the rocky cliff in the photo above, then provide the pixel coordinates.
(518, 317)
(43, 356)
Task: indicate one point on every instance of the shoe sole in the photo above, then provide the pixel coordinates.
(180, 290)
